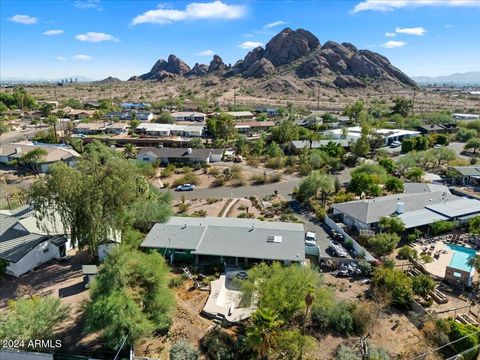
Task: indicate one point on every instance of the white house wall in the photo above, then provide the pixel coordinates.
(36, 257)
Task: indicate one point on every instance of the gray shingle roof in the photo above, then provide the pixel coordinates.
(17, 239)
(468, 170)
(230, 237)
(178, 153)
(370, 211)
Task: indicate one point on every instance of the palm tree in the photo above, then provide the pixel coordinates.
(129, 151)
(309, 299)
(262, 334)
(312, 136)
(52, 120)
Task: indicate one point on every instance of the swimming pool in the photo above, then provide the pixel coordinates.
(460, 257)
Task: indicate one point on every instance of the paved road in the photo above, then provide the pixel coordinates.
(284, 188)
(13, 136)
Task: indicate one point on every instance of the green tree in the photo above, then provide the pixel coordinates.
(94, 199)
(408, 145)
(420, 143)
(274, 150)
(422, 285)
(473, 144)
(402, 106)
(32, 159)
(407, 252)
(415, 174)
(395, 282)
(196, 143)
(222, 127)
(388, 165)
(165, 118)
(291, 344)
(130, 151)
(391, 224)
(465, 134)
(474, 225)
(354, 110)
(394, 185)
(262, 333)
(52, 121)
(314, 183)
(32, 318)
(384, 243)
(363, 183)
(285, 131)
(46, 109)
(281, 289)
(377, 172)
(130, 297)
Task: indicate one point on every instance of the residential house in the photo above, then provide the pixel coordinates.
(144, 115)
(297, 146)
(233, 241)
(266, 110)
(31, 115)
(166, 130)
(466, 116)
(355, 132)
(54, 154)
(179, 155)
(250, 127)
(119, 115)
(466, 175)
(135, 105)
(437, 128)
(79, 114)
(241, 115)
(189, 116)
(116, 128)
(419, 205)
(90, 128)
(25, 245)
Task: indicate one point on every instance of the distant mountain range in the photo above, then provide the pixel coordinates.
(467, 78)
(293, 60)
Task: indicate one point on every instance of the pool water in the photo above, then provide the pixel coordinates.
(460, 257)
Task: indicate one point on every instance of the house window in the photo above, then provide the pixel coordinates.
(46, 250)
(146, 159)
(456, 274)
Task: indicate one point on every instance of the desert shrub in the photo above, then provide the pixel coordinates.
(213, 171)
(407, 252)
(334, 316)
(364, 316)
(347, 353)
(258, 179)
(165, 173)
(218, 345)
(343, 196)
(183, 208)
(245, 215)
(183, 351)
(199, 213)
(274, 178)
(275, 163)
(175, 281)
(253, 161)
(211, 201)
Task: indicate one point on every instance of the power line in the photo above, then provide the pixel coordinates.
(445, 345)
(121, 346)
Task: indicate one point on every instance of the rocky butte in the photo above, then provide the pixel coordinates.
(294, 55)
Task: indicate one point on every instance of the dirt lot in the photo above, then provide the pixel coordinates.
(187, 325)
(63, 280)
(207, 180)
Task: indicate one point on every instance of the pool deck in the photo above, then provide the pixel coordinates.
(438, 265)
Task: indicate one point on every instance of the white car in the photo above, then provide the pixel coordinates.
(185, 187)
(395, 144)
(310, 238)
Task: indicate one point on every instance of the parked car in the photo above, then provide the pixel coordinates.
(395, 144)
(185, 187)
(310, 238)
(438, 146)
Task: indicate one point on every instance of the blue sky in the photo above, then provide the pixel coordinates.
(96, 39)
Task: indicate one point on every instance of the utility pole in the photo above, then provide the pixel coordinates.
(235, 98)
(318, 100)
